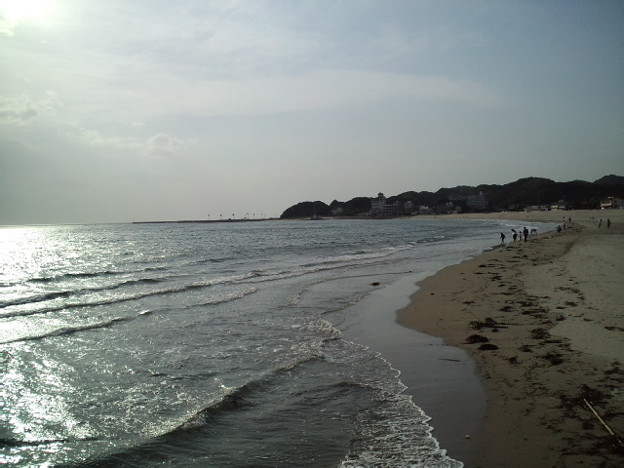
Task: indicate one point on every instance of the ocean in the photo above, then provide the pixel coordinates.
(213, 344)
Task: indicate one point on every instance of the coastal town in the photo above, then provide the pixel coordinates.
(529, 194)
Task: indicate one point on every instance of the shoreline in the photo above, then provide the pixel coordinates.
(440, 379)
(542, 322)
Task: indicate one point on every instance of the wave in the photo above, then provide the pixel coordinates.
(210, 260)
(12, 442)
(437, 238)
(107, 323)
(230, 297)
(93, 274)
(396, 422)
(196, 430)
(260, 276)
(231, 279)
(349, 260)
(50, 296)
(253, 276)
(81, 275)
(102, 302)
(362, 255)
(50, 279)
(231, 400)
(239, 398)
(70, 330)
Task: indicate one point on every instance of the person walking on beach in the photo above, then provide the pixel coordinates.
(525, 232)
(608, 223)
(502, 237)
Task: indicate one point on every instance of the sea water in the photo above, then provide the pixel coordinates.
(211, 344)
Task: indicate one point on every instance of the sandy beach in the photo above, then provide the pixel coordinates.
(543, 321)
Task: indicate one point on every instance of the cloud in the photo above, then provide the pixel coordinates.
(96, 138)
(232, 58)
(7, 25)
(159, 144)
(164, 144)
(40, 117)
(22, 108)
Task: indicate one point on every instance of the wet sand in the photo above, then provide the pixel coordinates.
(543, 321)
(441, 379)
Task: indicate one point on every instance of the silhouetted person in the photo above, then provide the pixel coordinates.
(502, 238)
(525, 232)
(608, 222)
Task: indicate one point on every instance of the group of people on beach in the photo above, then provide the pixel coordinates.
(524, 233)
(608, 223)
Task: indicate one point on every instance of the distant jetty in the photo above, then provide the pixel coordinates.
(204, 221)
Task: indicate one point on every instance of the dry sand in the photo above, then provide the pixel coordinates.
(543, 321)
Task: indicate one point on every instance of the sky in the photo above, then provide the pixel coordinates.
(133, 110)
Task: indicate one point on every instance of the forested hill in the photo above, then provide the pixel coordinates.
(531, 191)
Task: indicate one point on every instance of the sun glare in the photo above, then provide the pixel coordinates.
(17, 11)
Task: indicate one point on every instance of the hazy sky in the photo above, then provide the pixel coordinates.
(160, 109)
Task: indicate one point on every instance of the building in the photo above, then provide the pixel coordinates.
(477, 202)
(424, 210)
(408, 207)
(560, 205)
(611, 203)
(380, 208)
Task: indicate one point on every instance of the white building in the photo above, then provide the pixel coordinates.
(611, 203)
(381, 208)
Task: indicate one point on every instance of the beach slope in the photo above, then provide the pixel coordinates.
(543, 321)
